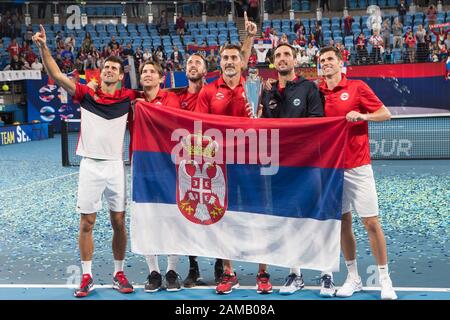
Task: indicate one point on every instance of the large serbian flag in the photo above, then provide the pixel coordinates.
(256, 190)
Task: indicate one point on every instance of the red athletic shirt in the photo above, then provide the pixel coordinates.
(187, 100)
(352, 95)
(166, 98)
(218, 98)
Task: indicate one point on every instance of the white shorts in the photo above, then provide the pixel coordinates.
(101, 178)
(360, 193)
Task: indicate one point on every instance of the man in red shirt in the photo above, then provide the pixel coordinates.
(225, 96)
(196, 70)
(104, 116)
(152, 75)
(13, 48)
(357, 102)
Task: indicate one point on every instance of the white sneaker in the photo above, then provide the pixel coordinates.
(293, 283)
(327, 289)
(387, 291)
(350, 286)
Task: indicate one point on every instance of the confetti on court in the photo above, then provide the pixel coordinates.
(39, 225)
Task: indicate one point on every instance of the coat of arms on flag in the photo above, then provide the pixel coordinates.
(201, 185)
(264, 191)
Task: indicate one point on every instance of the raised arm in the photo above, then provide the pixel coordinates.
(247, 45)
(40, 39)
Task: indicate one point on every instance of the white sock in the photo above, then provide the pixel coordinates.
(297, 271)
(86, 266)
(383, 271)
(172, 261)
(152, 262)
(118, 266)
(352, 268)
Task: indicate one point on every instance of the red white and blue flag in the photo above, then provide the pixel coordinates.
(257, 190)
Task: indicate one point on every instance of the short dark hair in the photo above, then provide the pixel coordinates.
(201, 56)
(115, 59)
(231, 46)
(336, 51)
(155, 64)
(294, 51)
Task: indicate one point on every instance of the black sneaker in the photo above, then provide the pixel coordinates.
(172, 283)
(154, 281)
(218, 270)
(193, 276)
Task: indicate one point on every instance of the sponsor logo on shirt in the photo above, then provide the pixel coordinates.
(219, 95)
(297, 102)
(184, 104)
(344, 96)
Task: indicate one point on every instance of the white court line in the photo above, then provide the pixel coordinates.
(38, 182)
(64, 286)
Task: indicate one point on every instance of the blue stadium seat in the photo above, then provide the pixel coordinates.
(352, 4)
(348, 39)
(356, 26)
(408, 19)
(337, 33)
(396, 55)
(221, 25)
(306, 5)
(296, 5)
(109, 11)
(118, 10)
(100, 11)
(100, 27)
(362, 4)
(212, 24)
(335, 27)
(335, 20)
(382, 3)
(338, 39)
(91, 11)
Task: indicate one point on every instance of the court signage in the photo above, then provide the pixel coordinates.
(23, 133)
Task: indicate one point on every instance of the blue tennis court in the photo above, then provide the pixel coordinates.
(39, 230)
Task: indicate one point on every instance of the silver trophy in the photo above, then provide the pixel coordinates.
(253, 89)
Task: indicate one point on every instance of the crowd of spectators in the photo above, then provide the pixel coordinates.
(378, 48)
